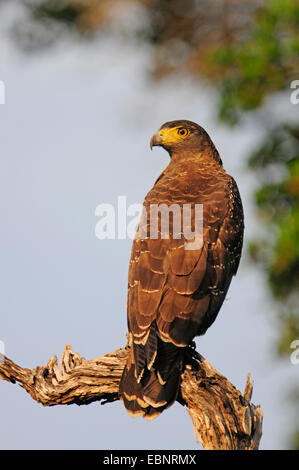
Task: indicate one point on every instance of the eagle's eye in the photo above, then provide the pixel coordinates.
(183, 132)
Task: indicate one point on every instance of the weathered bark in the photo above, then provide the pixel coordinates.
(222, 417)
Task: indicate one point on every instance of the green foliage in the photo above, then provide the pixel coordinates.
(289, 332)
(278, 204)
(262, 62)
(57, 10)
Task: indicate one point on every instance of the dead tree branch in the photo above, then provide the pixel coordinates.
(222, 417)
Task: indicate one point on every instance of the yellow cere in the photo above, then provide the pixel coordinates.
(173, 134)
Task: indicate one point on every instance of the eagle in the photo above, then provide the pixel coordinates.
(176, 283)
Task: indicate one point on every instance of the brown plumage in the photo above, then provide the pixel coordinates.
(174, 293)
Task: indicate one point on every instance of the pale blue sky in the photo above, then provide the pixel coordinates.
(75, 133)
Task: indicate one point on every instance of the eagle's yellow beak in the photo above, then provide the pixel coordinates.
(156, 140)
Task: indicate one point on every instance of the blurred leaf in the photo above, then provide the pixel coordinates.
(289, 333)
(59, 10)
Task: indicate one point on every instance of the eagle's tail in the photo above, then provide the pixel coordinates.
(150, 382)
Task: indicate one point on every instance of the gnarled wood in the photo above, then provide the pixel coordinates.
(222, 417)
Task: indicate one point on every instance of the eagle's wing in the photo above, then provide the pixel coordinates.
(182, 290)
(175, 294)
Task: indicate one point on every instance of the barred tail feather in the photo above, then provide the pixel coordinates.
(149, 390)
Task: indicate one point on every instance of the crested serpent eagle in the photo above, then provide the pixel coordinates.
(175, 293)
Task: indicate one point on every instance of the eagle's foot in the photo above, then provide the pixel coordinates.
(191, 356)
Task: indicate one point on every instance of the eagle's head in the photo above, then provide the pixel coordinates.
(185, 138)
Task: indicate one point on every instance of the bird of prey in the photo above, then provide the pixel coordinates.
(175, 293)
